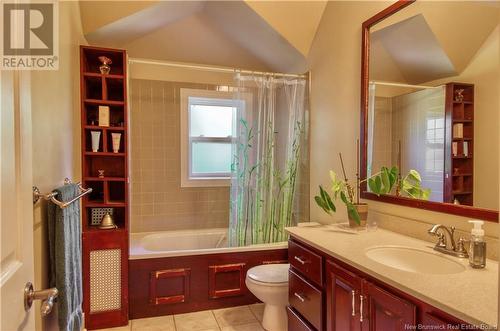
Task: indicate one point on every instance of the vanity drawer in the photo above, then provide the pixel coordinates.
(306, 261)
(306, 299)
(295, 322)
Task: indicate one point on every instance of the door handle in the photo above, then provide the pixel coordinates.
(298, 259)
(301, 297)
(47, 296)
(361, 298)
(353, 302)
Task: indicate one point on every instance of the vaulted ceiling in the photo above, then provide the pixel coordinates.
(254, 35)
(430, 40)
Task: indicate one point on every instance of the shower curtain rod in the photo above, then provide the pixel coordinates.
(212, 68)
(402, 85)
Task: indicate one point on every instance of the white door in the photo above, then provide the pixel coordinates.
(16, 202)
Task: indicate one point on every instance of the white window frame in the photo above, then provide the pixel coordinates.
(221, 97)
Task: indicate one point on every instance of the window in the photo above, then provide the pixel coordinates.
(206, 137)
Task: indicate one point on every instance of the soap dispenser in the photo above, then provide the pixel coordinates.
(477, 252)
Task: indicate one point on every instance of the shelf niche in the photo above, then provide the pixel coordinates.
(110, 187)
(459, 166)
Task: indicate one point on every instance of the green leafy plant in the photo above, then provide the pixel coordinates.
(382, 182)
(410, 185)
(340, 189)
(343, 189)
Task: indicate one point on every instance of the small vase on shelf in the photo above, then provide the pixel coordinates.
(104, 68)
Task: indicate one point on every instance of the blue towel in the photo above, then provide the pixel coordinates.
(65, 249)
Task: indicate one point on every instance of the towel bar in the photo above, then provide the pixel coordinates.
(52, 196)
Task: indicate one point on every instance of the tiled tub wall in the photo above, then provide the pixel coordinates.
(158, 201)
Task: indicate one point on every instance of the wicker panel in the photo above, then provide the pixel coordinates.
(105, 280)
(98, 214)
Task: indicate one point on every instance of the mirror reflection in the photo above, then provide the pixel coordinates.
(433, 101)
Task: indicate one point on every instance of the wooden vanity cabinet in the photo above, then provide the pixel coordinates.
(386, 311)
(353, 303)
(343, 291)
(341, 298)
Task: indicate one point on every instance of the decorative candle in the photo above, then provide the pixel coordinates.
(116, 141)
(96, 136)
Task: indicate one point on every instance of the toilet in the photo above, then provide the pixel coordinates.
(269, 283)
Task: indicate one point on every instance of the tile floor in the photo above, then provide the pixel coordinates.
(242, 318)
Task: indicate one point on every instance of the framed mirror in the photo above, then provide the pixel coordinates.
(430, 109)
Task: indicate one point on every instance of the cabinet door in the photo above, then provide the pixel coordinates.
(431, 321)
(343, 291)
(384, 311)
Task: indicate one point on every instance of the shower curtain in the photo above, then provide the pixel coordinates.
(270, 130)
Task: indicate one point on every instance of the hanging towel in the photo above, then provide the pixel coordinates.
(65, 249)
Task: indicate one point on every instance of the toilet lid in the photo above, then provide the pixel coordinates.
(269, 273)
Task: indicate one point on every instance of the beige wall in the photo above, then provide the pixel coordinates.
(56, 135)
(335, 96)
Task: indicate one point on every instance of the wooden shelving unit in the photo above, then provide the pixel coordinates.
(109, 192)
(459, 168)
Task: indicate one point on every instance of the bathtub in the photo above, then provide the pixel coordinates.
(146, 245)
(174, 272)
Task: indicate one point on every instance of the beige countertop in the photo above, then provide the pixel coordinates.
(470, 295)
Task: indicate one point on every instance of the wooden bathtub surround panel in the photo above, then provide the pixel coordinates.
(199, 297)
(168, 275)
(275, 262)
(236, 270)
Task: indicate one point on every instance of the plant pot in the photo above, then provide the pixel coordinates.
(362, 209)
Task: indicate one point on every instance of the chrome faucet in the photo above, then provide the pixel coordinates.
(446, 241)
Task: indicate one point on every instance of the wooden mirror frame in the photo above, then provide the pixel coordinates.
(465, 211)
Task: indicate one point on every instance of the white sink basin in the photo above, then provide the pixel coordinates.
(414, 260)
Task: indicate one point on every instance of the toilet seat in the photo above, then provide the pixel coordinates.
(269, 274)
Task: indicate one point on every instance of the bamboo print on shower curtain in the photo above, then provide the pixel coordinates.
(269, 137)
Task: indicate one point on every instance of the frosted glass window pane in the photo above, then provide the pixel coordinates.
(210, 158)
(440, 123)
(211, 121)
